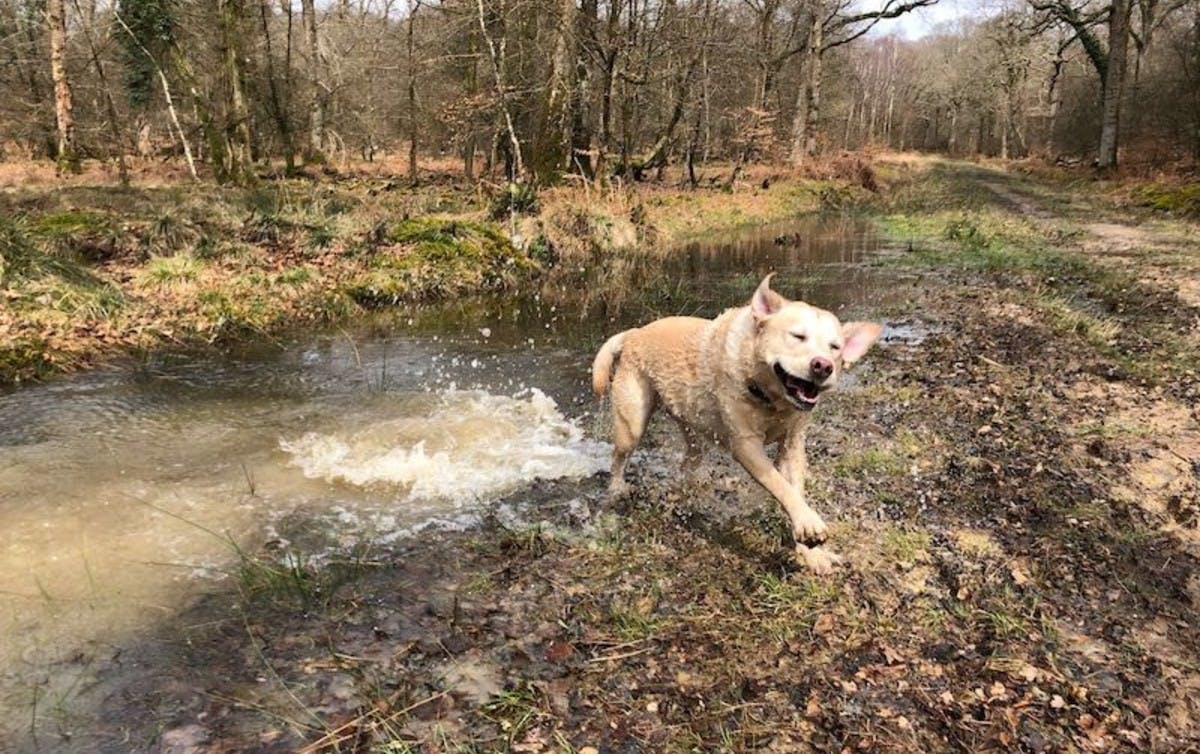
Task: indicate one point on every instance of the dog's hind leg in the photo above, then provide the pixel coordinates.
(633, 400)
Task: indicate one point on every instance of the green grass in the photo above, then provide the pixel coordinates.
(514, 710)
(905, 546)
(873, 461)
(163, 271)
(295, 276)
(23, 257)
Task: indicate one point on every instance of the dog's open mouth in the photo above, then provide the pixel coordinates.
(802, 393)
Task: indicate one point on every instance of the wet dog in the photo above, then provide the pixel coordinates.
(747, 379)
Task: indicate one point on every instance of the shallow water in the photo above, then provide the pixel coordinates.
(126, 492)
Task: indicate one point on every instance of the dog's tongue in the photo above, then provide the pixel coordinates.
(805, 391)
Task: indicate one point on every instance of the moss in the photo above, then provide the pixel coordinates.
(1182, 200)
(92, 236)
(436, 256)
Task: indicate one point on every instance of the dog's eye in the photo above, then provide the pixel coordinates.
(836, 346)
(800, 336)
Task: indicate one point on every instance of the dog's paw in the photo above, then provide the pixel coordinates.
(807, 527)
(820, 560)
(617, 489)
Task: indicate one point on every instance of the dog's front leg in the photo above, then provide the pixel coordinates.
(793, 460)
(807, 527)
(793, 464)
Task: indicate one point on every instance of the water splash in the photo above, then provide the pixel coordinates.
(455, 445)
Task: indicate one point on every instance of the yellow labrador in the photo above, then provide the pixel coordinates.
(747, 379)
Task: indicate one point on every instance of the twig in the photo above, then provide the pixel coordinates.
(621, 656)
(335, 736)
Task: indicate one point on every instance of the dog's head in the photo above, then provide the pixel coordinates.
(804, 347)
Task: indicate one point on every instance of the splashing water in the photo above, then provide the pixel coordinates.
(465, 444)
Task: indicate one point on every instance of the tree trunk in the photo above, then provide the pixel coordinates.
(56, 19)
(236, 134)
(316, 110)
(162, 78)
(516, 170)
(413, 7)
(812, 119)
(552, 150)
(952, 144)
(796, 153)
(279, 110)
(1114, 79)
(805, 102)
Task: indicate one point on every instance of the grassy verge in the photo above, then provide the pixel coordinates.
(1038, 245)
(87, 271)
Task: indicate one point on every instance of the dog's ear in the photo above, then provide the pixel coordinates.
(765, 301)
(857, 338)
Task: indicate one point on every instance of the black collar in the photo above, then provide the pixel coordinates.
(759, 394)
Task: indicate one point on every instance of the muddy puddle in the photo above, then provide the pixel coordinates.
(127, 493)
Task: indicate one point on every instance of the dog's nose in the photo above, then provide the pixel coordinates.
(820, 369)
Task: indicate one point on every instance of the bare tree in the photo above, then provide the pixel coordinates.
(832, 25)
(64, 106)
(496, 56)
(316, 111)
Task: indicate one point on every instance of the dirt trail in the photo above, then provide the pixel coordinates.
(1163, 253)
(1160, 435)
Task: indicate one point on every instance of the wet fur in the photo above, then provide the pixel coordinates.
(701, 371)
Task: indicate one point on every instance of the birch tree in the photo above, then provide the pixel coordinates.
(64, 106)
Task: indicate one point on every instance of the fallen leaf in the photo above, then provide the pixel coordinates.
(891, 656)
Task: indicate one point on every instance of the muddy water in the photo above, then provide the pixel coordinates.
(126, 492)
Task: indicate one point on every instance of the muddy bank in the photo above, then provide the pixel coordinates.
(91, 273)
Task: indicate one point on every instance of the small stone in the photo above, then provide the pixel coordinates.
(1057, 702)
(588, 750)
(456, 643)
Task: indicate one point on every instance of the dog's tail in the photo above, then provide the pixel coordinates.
(603, 365)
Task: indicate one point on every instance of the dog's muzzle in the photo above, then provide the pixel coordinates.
(800, 392)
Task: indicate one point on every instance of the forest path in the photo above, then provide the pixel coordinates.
(1155, 249)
